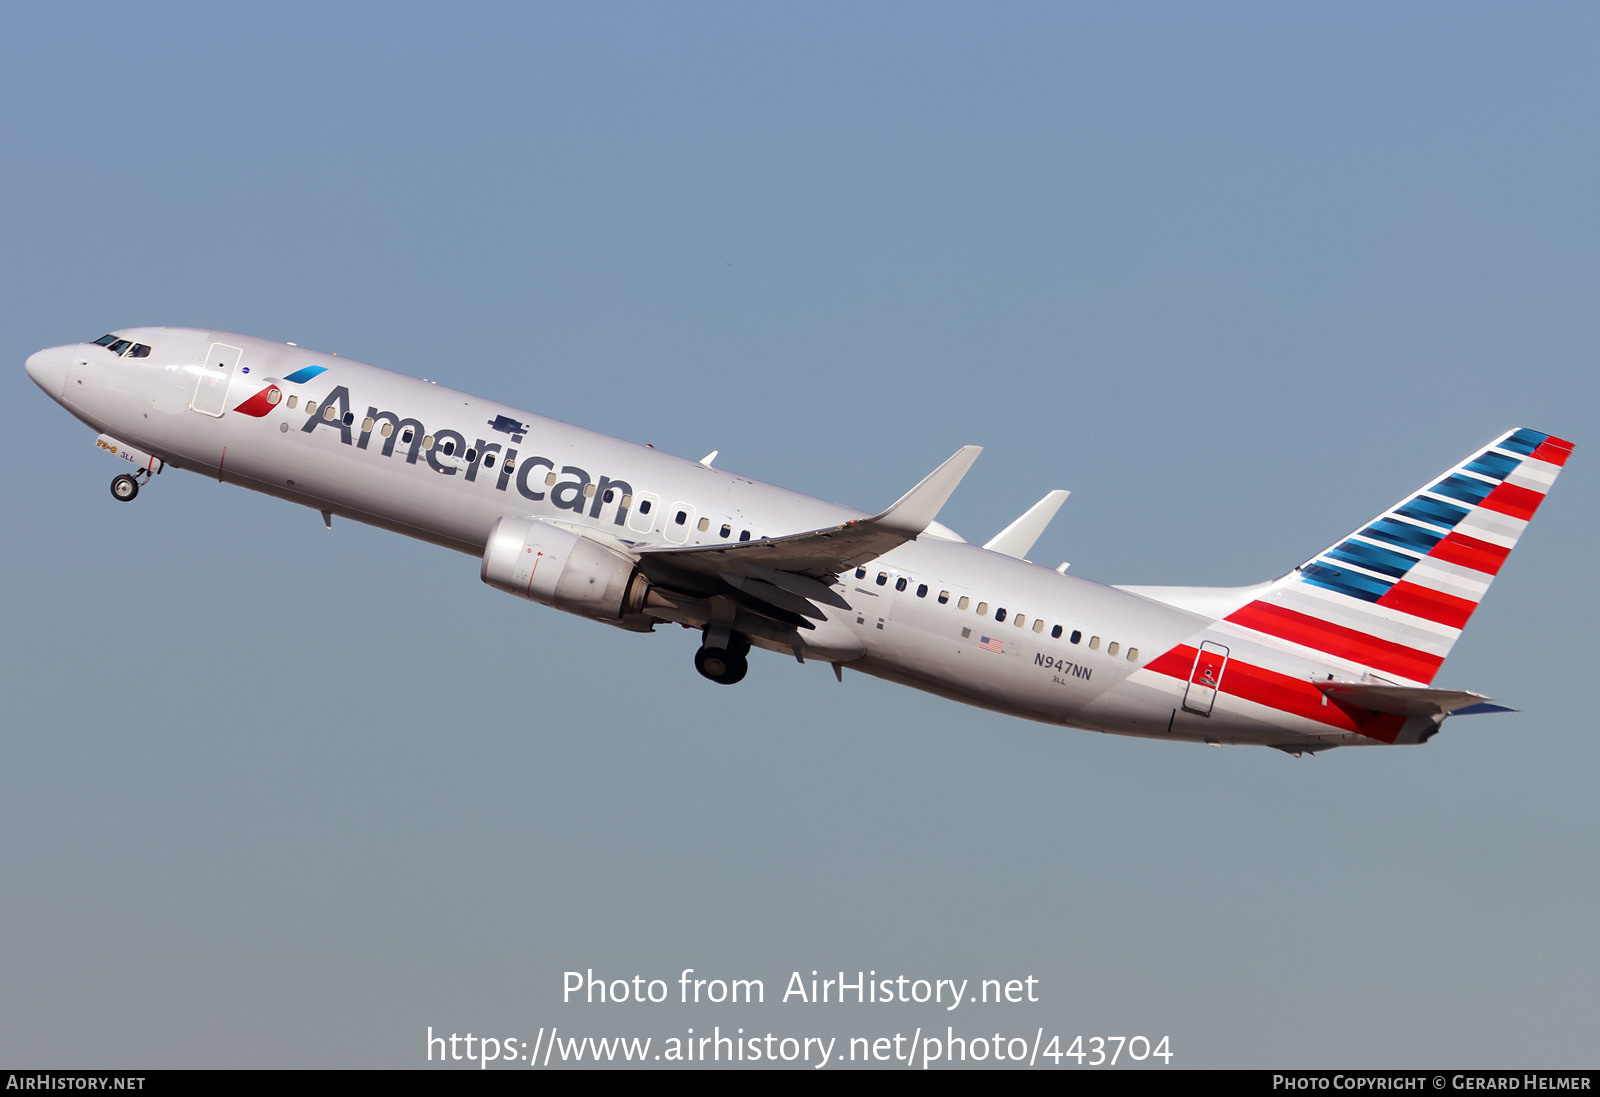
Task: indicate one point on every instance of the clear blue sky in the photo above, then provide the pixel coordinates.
(1239, 276)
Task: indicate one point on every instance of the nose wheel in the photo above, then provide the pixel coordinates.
(125, 487)
(724, 665)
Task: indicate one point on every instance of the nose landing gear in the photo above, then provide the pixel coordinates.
(723, 663)
(125, 487)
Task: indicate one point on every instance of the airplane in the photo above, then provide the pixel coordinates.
(1341, 650)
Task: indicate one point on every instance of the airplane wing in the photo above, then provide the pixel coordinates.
(781, 577)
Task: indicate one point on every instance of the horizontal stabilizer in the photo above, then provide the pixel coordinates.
(1017, 539)
(1402, 700)
(1479, 710)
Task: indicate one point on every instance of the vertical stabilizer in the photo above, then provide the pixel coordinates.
(1394, 595)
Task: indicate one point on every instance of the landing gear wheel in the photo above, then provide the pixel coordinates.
(124, 488)
(721, 665)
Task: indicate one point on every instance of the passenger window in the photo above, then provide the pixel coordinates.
(1094, 643)
(293, 400)
(922, 590)
(1113, 647)
(550, 480)
(427, 441)
(449, 448)
(944, 597)
(1019, 620)
(681, 518)
(349, 417)
(964, 603)
(861, 573)
(644, 506)
(274, 394)
(405, 438)
(1000, 614)
(472, 455)
(311, 407)
(1133, 655)
(388, 428)
(1076, 636)
(511, 464)
(883, 578)
(1055, 633)
(588, 491)
(1038, 626)
(367, 424)
(900, 583)
(330, 413)
(488, 460)
(627, 501)
(611, 493)
(727, 530)
(703, 525)
(983, 609)
(744, 535)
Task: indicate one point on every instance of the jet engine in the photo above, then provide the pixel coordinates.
(546, 563)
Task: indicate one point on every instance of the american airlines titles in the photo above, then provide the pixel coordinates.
(571, 493)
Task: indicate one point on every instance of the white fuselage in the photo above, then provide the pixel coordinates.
(377, 447)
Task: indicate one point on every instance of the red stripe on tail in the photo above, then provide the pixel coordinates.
(1337, 640)
(1554, 450)
(1470, 552)
(1285, 693)
(1425, 602)
(1515, 501)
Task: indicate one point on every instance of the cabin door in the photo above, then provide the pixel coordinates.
(216, 374)
(1205, 679)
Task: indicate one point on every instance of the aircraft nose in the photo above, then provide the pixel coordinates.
(48, 368)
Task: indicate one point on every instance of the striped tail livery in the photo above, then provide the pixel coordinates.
(1375, 614)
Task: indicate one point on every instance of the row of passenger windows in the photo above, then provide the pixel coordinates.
(1018, 620)
(125, 348)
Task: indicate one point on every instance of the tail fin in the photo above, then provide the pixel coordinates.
(1394, 595)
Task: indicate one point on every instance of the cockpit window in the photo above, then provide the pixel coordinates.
(126, 348)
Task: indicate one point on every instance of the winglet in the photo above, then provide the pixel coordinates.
(1017, 539)
(912, 512)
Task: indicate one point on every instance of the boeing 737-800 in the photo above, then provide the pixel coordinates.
(1340, 651)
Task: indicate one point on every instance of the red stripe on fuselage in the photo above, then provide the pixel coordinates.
(1337, 640)
(1285, 693)
(1430, 604)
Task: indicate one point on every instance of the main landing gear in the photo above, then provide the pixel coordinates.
(723, 663)
(125, 487)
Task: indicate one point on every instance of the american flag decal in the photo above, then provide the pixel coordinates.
(989, 643)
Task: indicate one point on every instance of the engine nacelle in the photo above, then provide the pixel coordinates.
(546, 563)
